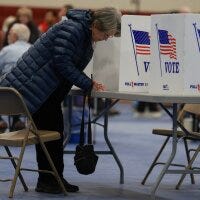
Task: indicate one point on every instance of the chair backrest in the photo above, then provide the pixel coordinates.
(11, 102)
(192, 108)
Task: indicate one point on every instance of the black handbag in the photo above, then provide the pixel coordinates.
(85, 158)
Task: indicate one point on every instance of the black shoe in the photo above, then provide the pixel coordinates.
(45, 187)
(69, 187)
(53, 187)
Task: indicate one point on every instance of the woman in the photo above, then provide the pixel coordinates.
(47, 71)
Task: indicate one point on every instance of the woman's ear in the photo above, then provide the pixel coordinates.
(96, 24)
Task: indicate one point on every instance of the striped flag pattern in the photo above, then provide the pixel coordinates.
(167, 44)
(142, 42)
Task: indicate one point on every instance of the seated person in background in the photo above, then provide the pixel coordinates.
(5, 25)
(18, 43)
(50, 19)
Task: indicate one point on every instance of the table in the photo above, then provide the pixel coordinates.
(156, 98)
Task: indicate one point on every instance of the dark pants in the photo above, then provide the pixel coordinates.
(153, 107)
(49, 117)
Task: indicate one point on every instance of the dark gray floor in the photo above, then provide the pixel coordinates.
(136, 148)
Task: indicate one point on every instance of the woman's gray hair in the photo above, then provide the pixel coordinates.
(22, 31)
(107, 19)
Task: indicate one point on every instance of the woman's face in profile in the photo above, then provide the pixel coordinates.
(98, 35)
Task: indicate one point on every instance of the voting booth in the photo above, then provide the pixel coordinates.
(175, 54)
(134, 53)
(88, 71)
(106, 63)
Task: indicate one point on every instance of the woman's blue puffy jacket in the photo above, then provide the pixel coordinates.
(59, 55)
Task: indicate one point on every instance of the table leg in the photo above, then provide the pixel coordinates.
(172, 155)
(107, 102)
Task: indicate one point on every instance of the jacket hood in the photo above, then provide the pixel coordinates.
(80, 15)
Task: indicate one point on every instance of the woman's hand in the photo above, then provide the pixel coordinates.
(97, 86)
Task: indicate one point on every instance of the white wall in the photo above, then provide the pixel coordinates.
(145, 5)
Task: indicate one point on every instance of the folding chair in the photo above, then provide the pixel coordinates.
(12, 103)
(188, 108)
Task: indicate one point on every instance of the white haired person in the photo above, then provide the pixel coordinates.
(18, 37)
(54, 64)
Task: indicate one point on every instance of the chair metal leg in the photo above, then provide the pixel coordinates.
(55, 173)
(188, 159)
(17, 170)
(155, 160)
(14, 165)
(188, 167)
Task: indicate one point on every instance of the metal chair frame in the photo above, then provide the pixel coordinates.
(12, 103)
(190, 108)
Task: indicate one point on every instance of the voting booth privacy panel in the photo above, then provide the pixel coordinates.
(123, 64)
(175, 54)
(135, 53)
(106, 63)
(88, 71)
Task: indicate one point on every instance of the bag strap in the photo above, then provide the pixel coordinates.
(89, 122)
(89, 130)
(82, 137)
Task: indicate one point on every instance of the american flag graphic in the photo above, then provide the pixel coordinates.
(197, 34)
(167, 44)
(142, 42)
